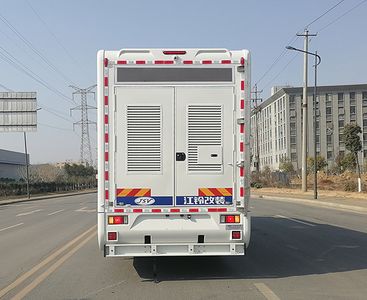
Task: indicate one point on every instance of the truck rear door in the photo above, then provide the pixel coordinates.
(144, 160)
(204, 145)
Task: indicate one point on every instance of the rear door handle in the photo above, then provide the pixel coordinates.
(180, 156)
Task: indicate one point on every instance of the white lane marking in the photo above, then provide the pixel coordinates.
(16, 225)
(84, 209)
(295, 220)
(332, 248)
(56, 212)
(28, 213)
(102, 289)
(292, 247)
(266, 291)
(14, 205)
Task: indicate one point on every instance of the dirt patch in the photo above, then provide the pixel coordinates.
(343, 182)
(309, 194)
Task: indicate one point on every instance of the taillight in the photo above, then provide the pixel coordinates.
(115, 220)
(112, 236)
(230, 219)
(236, 235)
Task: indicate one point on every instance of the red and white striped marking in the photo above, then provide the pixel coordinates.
(106, 131)
(179, 210)
(241, 130)
(177, 62)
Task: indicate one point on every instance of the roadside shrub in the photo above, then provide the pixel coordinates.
(268, 178)
(258, 185)
(350, 186)
(321, 164)
(286, 165)
(349, 162)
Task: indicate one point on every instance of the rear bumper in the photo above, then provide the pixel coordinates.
(203, 249)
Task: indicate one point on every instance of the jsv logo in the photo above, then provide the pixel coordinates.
(144, 201)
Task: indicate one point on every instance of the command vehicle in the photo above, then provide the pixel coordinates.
(173, 152)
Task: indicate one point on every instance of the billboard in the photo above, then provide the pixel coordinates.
(18, 111)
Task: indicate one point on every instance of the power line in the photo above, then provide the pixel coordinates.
(24, 49)
(342, 15)
(276, 60)
(325, 13)
(281, 71)
(10, 59)
(293, 39)
(329, 24)
(54, 127)
(31, 46)
(45, 108)
(49, 110)
(67, 52)
(5, 88)
(55, 114)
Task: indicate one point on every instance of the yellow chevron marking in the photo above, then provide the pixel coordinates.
(206, 192)
(142, 192)
(124, 192)
(224, 192)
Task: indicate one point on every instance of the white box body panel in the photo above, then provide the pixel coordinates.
(173, 136)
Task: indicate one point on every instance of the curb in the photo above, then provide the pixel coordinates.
(5, 202)
(353, 208)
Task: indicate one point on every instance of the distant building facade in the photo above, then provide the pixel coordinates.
(276, 124)
(12, 164)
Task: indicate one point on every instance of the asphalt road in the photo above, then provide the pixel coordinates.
(49, 251)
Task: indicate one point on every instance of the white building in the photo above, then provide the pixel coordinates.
(279, 124)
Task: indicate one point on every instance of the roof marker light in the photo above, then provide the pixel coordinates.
(174, 52)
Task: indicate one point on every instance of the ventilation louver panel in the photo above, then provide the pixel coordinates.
(144, 138)
(204, 129)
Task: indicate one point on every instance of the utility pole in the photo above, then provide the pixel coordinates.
(26, 163)
(85, 148)
(306, 34)
(256, 110)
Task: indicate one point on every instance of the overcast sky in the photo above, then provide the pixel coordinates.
(69, 33)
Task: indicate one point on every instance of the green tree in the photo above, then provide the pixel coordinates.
(79, 170)
(348, 162)
(286, 165)
(352, 141)
(321, 163)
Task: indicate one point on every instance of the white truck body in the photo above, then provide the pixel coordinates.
(173, 152)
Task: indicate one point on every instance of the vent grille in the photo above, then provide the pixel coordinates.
(144, 138)
(204, 128)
